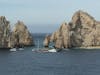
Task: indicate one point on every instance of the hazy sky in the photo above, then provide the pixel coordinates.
(46, 15)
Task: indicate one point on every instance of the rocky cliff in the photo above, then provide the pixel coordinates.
(85, 30)
(46, 41)
(19, 36)
(82, 31)
(4, 32)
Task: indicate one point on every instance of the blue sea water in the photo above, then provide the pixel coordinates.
(72, 62)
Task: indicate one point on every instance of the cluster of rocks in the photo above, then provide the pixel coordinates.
(16, 37)
(82, 31)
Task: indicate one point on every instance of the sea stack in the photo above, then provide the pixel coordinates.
(21, 35)
(86, 30)
(82, 31)
(4, 32)
(18, 36)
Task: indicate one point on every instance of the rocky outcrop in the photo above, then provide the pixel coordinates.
(82, 31)
(21, 35)
(65, 33)
(61, 37)
(4, 32)
(84, 28)
(46, 41)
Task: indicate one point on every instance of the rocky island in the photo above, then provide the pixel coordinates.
(83, 31)
(16, 37)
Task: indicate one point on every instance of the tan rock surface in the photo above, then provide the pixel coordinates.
(4, 32)
(46, 41)
(82, 31)
(21, 35)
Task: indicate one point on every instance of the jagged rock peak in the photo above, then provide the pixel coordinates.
(80, 13)
(83, 17)
(20, 26)
(21, 34)
(3, 21)
(82, 31)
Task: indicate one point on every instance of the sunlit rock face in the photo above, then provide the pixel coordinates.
(46, 41)
(82, 31)
(65, 33)
(4, 33)
(85, 30)
(58, 39)
(61, 37)
(21, 35)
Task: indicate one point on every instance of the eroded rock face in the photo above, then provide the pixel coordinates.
(65, 33)
(46, 41)
(82, 31)
(4, 32)
(61, 37)
(21, 35)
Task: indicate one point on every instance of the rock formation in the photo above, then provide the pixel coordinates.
(61, 37)
(82, 31)
(21, 35)
(46, 41)
(4, 32)
(65, 33)
(84, 28)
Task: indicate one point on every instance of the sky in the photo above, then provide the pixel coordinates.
(46, 16)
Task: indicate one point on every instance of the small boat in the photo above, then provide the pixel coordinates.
(20, 49)
(38, 49)
(52, 50)
(13, 49)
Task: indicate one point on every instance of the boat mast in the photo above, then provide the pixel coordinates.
(38, 44)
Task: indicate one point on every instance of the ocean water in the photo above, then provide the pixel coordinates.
(72, 62)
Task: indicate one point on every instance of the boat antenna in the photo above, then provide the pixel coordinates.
(38, 43)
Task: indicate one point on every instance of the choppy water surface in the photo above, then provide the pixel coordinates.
(73, 62)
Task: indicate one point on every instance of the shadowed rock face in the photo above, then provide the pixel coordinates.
(82, 31)
(21, 35)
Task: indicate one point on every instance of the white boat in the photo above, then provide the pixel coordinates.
(20, 49)
(52, 50)
(13, 49)
(34, 49)
(38, 49)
